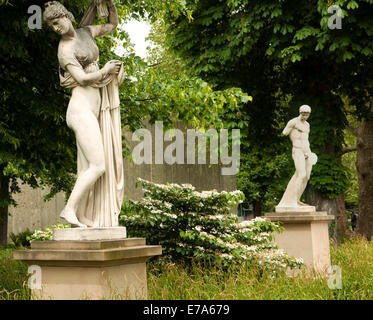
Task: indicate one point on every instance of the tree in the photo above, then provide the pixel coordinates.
(232, 43)
(35, 144)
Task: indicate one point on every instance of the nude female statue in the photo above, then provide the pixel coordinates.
(298, 129)
(93, 114)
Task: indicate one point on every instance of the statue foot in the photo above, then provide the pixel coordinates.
(69, 215)
(303, 204)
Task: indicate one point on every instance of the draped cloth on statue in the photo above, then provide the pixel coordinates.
(100, 207)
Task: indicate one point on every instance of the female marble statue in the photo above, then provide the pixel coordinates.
(93, 114)
(298, 129)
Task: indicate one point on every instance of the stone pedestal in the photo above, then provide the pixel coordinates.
(296, 210)
(89, 269)
(305, 236)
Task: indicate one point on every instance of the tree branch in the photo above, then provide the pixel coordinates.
(148, 99)
(347, 150)
(353, 130)
(155, 64)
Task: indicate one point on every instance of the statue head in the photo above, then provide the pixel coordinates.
(304, 112)
(57, 17)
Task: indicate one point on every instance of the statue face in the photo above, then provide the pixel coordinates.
(304, 115)
(61, 25)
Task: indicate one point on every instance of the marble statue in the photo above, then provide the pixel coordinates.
(93, 114)
(298, 130)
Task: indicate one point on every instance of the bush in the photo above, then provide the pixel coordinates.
(200, 225)
(20, 240)
(47, 233)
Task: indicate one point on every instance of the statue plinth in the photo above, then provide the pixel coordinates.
(89, 269)
(298, 209)
(305, 236)
(76, 234)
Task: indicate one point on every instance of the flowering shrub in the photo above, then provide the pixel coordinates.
(47, 233)
(200, 225)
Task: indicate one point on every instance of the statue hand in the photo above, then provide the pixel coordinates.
(113, 67)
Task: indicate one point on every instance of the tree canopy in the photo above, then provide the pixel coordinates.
(284, 50)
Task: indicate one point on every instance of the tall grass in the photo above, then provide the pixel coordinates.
(13, 278)
(354, 257)
(176, 281)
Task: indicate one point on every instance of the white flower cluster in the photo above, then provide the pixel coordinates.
(170, 215)
(250, 223)
(188, 186)
(47, 233)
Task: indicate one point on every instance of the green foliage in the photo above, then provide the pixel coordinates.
(265, 47)
(163, 91)
(193, 225)
(258, 171)
(35, 144)
(13, 278)
(332, 184)
(47, 233)
(20, 240)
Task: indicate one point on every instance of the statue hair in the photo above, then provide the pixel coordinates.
(55, 10)
(305, 108)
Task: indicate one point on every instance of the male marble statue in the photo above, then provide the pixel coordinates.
(298, 130)
(93, 114)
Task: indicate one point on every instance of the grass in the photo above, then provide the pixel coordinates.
(176, 282)
(13, 278)
(354, 257)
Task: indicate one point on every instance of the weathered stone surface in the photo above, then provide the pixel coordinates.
(97, 269)
(305, 236)
(77, 234)
(87, 245)
(299, 217)
(300, 209)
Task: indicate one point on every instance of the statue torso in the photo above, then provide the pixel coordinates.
(83, 48)
(300, 139)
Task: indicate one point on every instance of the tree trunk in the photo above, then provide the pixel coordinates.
(364, 165)
(4, 195)
(257, 208)
(342, 227)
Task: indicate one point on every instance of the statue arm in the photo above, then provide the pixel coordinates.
(290, 126)
(106, 28)
(89, 16)
(85, 79)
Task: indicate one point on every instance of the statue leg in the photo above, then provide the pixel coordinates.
(300, 172)
(308, 168)
(289, 198)
(88, 136)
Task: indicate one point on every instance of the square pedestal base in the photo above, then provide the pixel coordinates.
(94, 269)
(305, 236)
